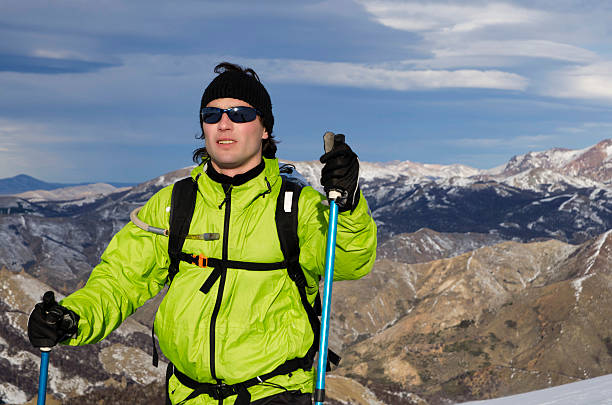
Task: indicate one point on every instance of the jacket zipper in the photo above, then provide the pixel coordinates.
(213, 320)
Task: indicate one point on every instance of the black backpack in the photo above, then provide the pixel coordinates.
(181, 212)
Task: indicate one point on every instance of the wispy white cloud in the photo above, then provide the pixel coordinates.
(593, 81)
(534, 48)
(596, 129)
(530, 141)
(13, 132)
(448, 17)
(20, 150)
(573, 137)
(382, 77)
(58, 53)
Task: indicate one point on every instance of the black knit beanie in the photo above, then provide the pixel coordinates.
(239, 85)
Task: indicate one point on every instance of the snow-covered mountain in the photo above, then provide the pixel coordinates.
(74, 195)
(23, 183)
(594, 162)
(589, 167)
(557, 193)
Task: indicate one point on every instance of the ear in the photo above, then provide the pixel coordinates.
(265, 135)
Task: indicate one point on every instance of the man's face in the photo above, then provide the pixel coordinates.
(234, 148)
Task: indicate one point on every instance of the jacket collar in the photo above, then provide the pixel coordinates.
(246, 187)
(237, 180)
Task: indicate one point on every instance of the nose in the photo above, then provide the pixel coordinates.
(225, 122)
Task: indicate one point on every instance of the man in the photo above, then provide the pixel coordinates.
(238, 330)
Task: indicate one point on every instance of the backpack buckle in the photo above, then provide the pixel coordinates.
(222, 391)
(202, 260)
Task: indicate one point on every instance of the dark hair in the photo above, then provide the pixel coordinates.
(229, 75)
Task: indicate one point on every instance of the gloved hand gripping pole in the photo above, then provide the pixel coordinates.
(319, 394)
(42, 378)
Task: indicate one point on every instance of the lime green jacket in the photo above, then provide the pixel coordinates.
(260, 322)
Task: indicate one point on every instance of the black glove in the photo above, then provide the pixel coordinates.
(341, 173)
(51, 323)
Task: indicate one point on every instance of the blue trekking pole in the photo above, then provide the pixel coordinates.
(319, 394)
(44, 372)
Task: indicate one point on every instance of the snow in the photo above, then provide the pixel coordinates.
(595, 391)
(33, 288)
(577, 284)
(60, 384)
(562, 207)
(9, 394)
(372, 318)
(557, 197)
(594, 256)
(77, 195)
(608, 151)
(21, 358)
(555, 158)
(413, 172)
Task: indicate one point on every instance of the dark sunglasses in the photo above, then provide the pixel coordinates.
(212, 115)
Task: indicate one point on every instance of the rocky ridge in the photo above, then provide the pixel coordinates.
(500, 320)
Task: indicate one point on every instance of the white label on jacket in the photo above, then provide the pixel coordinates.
(288, 200)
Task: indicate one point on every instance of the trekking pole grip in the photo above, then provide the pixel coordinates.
(328, 145)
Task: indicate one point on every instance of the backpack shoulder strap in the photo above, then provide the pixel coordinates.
(182, 206)
(287, 226)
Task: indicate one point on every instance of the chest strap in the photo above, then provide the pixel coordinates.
(219, 265)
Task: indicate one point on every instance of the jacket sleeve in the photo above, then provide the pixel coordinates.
(133, 269)
(355, 239)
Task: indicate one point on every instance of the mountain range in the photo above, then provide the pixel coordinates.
(562, 194)
(487, 282)
(23, 183)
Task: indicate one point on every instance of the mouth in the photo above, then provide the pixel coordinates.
(225, 141)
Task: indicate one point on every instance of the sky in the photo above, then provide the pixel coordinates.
(110, 91)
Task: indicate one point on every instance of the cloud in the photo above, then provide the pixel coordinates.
(46, 65)
(593, 81)
(20, 150)
(472, 32)
(573, 137)
(18, 135)
(359, 75)
(596, 129)
(381, 77)
(530, 141)
(534, 48)
(560, 51)
(448, 17)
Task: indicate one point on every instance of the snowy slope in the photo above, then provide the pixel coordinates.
(546, 171)
(410, 172)
(595, 391)
(77, 195)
